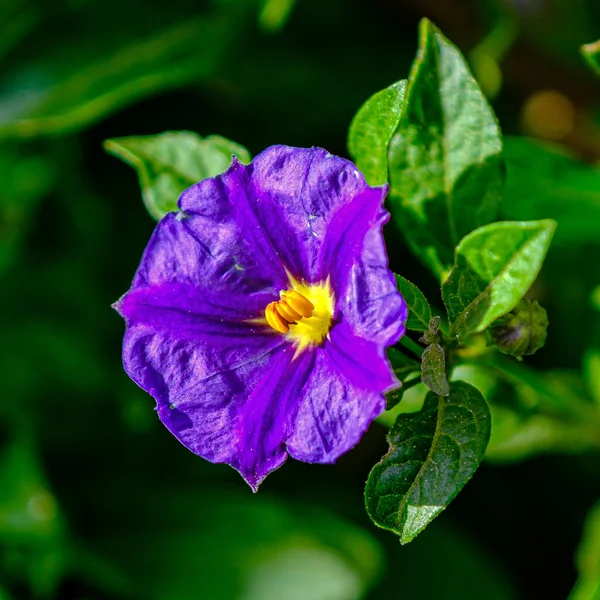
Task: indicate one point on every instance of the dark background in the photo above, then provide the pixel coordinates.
(97, 499)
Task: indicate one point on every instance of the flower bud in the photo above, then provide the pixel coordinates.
(522, 331)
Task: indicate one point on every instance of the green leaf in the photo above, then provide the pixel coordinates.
(591, 53)
(544, 182)
(433, 370)
(494, 267)
(170, 162)
(588, 559)
(172, 57)
(432, 455)
(445, 159)
(419, 311)
(371, 131)
(274, 14)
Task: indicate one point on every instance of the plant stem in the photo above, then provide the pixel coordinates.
(569, 403)
(411, 345)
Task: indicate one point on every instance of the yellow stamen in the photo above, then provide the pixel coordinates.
(287, 312)
(298, 302)
(275, 320)
(304, 313)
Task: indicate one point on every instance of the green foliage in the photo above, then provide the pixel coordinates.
(26, 179)
(433, 360)
(267, 558)
(518, 435)
(159, 524)
(170, 162)
(591, 370)
(588, 559)
(170, 57)
(419, 311)
(433, 453)
(494, 267)
(595, 298)
(433, 370)
(591, 358)
(371, 131)
(30, 522)
(445, 163)
(544, 182)
(275, 13)
(591, 53)
(524, 423)
(541, 412)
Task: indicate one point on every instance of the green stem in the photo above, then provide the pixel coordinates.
(411, 345)
(565, 402)
(407, 384)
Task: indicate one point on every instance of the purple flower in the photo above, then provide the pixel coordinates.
(260, 313)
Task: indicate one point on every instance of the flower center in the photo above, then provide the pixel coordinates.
(303, 312)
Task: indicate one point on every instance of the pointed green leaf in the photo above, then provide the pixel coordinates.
(433, 453)
(433, 370)
(419, 311)
(591, 53)
(494, 267)
(371, 131)
(170, 162)
(445, 164)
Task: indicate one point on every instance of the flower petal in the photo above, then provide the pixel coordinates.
(369, 301)
(226, 403)
(209, 251)
(190, 313)
(362, 362)
(333, 412)
(286, 200)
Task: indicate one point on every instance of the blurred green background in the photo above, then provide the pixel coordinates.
(97, 499)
